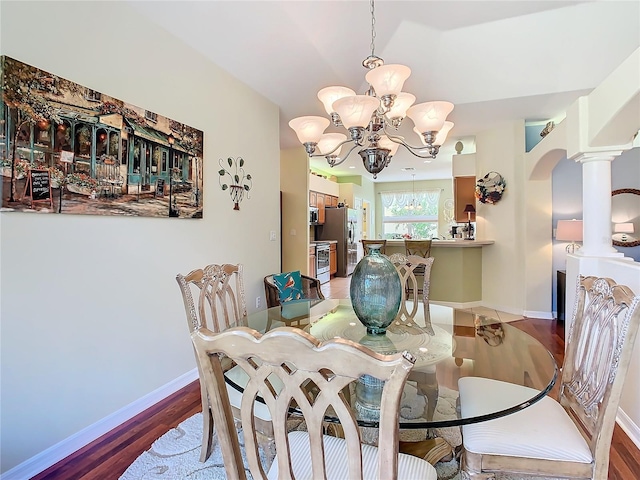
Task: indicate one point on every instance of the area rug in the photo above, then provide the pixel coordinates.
(176, 455)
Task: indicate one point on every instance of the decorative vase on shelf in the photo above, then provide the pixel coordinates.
(375, 291)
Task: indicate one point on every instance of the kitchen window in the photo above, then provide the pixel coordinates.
(412, 214)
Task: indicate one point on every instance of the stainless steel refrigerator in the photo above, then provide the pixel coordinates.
(341, 224)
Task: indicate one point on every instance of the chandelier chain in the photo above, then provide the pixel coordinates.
(373, 29)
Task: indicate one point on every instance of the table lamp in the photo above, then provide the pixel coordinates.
(469, 209)
(623, 228)
(571, 231)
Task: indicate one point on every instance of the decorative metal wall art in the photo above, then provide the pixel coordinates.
(239, 181)
(65, 148)
(489, 189)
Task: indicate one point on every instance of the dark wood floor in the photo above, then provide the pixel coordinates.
(109, 456)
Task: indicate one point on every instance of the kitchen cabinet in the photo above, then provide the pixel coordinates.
(313, 202)
(320, 203)
(333, 259)
(312, 261)
(334, 201)
(464, 189)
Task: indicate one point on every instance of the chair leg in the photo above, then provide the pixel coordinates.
(469, 471)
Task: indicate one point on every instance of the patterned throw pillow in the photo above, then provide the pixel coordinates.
(289, 286)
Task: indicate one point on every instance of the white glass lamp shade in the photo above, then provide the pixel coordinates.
(384, 142)
(429, 116)
(309, 129)
(623, 228)
(569, 230)
(328, 95)
(442, 133)
(415, 129)
(356, 110)
(329, 141)
(400, 105)
(388, 79)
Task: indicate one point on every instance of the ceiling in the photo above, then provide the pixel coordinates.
(497, 61)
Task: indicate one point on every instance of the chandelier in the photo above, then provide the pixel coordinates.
(372, 120)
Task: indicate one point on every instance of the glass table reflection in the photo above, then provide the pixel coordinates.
(448, 344)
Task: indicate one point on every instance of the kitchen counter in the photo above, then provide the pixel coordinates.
(457, 243)
(456, 275)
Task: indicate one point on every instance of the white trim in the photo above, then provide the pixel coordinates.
(536, 314)
(52, 455)
(630, 428)
(458, 305)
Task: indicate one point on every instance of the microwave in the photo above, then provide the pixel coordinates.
(313, 215)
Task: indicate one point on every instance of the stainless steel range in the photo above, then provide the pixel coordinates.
(323, 262)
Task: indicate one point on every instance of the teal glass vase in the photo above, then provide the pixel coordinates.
(375, 291)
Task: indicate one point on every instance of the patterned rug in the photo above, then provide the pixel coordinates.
(176, 455)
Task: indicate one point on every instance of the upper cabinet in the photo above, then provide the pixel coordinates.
(464, 189)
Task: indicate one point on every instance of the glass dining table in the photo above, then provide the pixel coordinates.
(448, 344)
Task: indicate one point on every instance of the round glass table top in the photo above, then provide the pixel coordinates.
(448, 344)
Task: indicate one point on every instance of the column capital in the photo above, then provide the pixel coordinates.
(605, 156)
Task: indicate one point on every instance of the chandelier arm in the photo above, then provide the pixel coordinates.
(335, 149)
(397, 139)
(332, 160)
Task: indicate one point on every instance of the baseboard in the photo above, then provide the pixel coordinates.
(75, 442)
(542, 315)
(629, 427)
(458, 305)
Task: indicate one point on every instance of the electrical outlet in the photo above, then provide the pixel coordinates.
(258, 302)
(272, 235)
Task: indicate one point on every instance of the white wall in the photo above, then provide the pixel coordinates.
(92, 318)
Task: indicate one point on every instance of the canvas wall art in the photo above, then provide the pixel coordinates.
(65, 148)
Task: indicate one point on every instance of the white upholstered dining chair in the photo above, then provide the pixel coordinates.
(214, 298)
(298, 360)
(570, 438)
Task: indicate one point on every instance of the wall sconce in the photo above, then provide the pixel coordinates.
(571, 231)
(240, 181)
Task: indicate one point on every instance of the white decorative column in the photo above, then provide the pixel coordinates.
(596, 204)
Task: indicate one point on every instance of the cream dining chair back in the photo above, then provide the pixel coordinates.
(415, 287)
(214, 298)
(299, 361)
(570, 438)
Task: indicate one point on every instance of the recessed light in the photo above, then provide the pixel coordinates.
(352, 166)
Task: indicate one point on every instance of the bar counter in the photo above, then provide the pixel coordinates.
(456, 275)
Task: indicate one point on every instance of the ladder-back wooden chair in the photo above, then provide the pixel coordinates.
(298, 360)
(420, 248)
(570, 438)
(366, 243)
(213, 298)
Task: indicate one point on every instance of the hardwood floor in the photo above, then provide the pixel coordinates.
(109, 456)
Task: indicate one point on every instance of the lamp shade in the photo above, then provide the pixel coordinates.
(469, 208)
(356, 110)
(623, 228)
(400, 105)
(384, 142)
(329, 141)
(328, 95)
(429, 116)
(442, 133)
(569, 230)
(388, 79)
(309, 129)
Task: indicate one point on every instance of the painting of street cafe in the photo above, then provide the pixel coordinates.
(65, 148)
